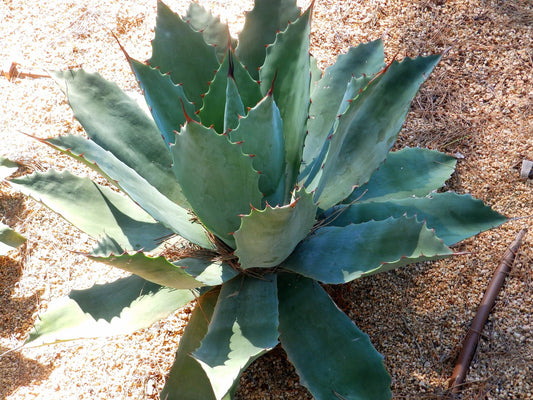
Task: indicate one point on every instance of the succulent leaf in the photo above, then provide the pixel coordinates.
(351, 367)
(95, 209)
(280, 228)
(261, 133)
(7, 167)
(214, 32)
(168, 104)
(361, 249)
(365, 59)
(188, 273)
(119, 307)
(368, 129)
(115, 122)
(214, 171)
(234, 109)
(260, 27)
(161, 208)
(182, 52)
(454, 217)
(244, 326)
(249, 92)
(405, 173)
(9, 239)
(186, 379)
(286, 71)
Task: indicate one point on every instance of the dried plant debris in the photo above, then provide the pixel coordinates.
(479, 103)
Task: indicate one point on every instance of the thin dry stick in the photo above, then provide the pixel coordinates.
(472, 337)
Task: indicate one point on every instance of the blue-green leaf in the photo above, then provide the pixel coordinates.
(216, 177)
(367, 130)
(365, 59)
(9, 239)
(261, 133)
(336, 254)
(244, 326)
(406, 173)
(187, 273)
(161, 208)
(115, 308)
(311, 325)
(166, 100)
(95, 209)
(260, 27)
(453, 217)
(182, 52)
(267, 237)
(286, 71)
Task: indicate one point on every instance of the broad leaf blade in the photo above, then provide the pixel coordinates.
(214, 173)
(9, 239)
(267, 237)
(260, 27)
(166, 100)
(187, 380)
(453, 217)
(95, 209)
(286, 70)
(406, 173)
(341, 254)
(261, 133)
(244, 326)
(116, 123)
(182, 52)
(115, 308)
(368, 129)
(365, 59)
(173, 216)
(214, 32)
(188, 273)
(310, 324)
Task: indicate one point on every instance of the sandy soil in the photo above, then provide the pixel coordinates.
(477, 105)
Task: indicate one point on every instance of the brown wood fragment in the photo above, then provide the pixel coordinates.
(471, 339)
(11, 72)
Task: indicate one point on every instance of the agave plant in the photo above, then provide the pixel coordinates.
(275, 172)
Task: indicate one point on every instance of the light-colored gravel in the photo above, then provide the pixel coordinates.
(478, 104)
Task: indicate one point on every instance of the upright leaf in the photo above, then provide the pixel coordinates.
(279, 228)
(349, 368)
(368, 129)
(115, 308)
(261, 133)
(212, 179)
(7, 167)
(214, 32)
(166, 100)
(286, 69)
(244, 326)
(260, 27)
(365, 59)
(182, 52)
(214, 102)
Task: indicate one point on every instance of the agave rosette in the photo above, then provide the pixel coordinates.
(275, 171)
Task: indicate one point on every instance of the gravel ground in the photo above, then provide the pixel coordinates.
(477, 105)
